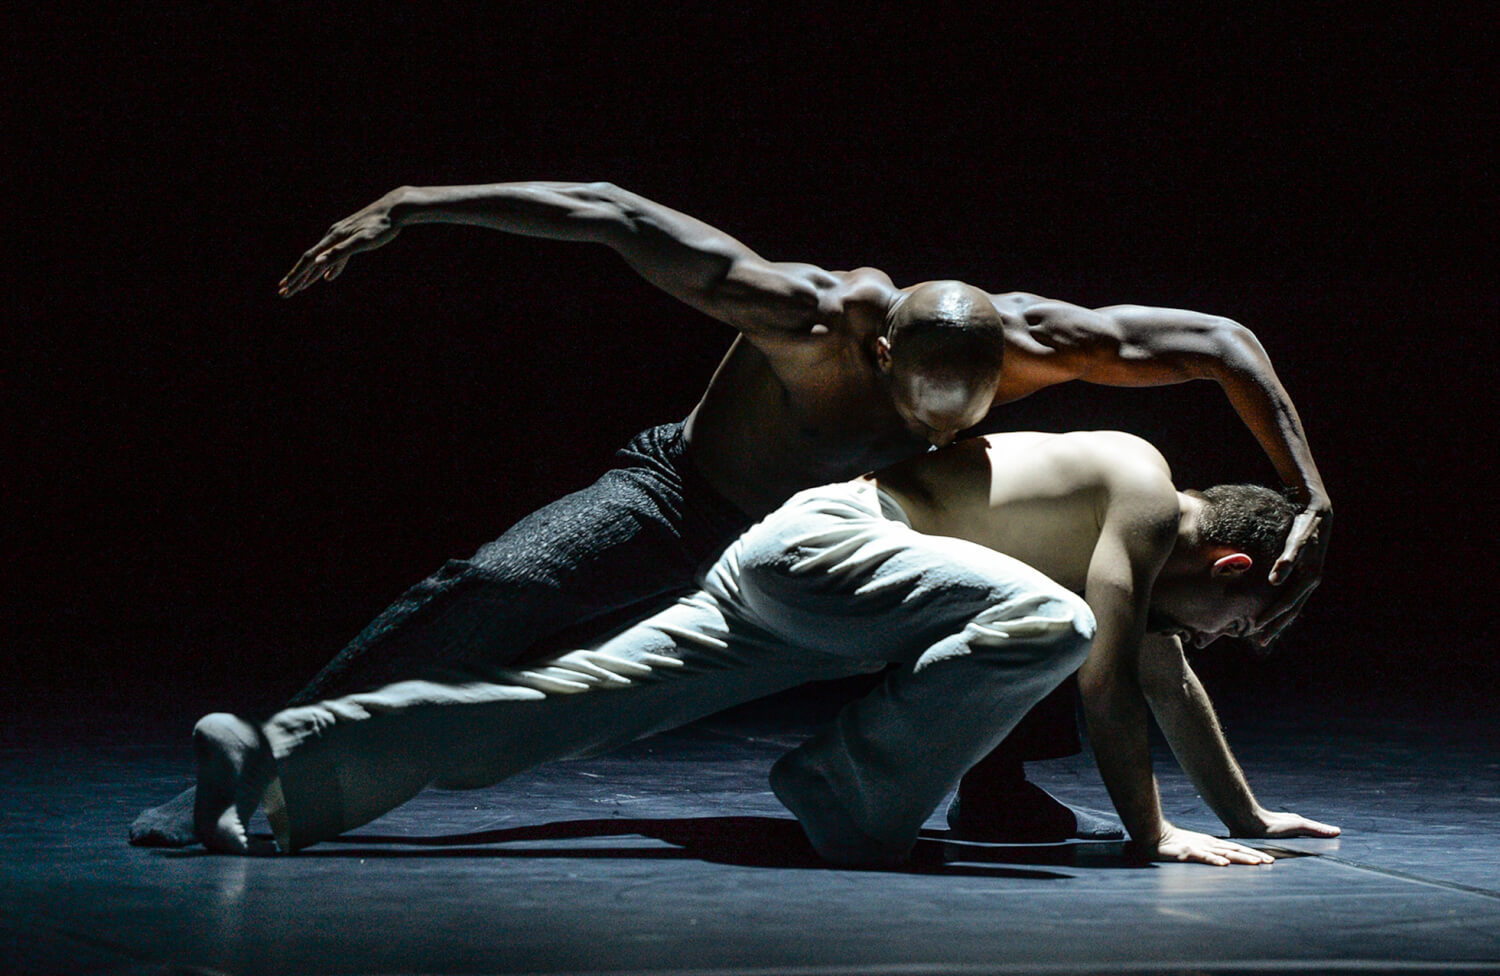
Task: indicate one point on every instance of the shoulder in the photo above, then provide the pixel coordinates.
(841, 306)
(1141, 505)
(1109, 456)
(863, 295)
(1137, 492)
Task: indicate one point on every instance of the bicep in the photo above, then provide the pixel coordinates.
(711, 270)
(1162, 346)
(764, 298)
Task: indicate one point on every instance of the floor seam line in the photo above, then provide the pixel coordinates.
(1406, 876)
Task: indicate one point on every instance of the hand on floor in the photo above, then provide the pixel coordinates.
(1186, 845)
(1293, 825)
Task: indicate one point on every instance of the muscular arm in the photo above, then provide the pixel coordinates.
(684, 257)
(1139, 526)
(1187, 719)
(1132, 345)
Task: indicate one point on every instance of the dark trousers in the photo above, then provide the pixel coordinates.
(633, 539)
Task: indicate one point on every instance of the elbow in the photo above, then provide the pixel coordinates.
(598, 195)
(603, 212)
(599, 190)
(1233, 342)
(1230, 352)
(1162, 687)
(1103, 692)
(1091, 690)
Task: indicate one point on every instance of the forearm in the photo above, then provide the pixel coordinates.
(1244, 372)
(1117, 728)
(1187, 719)
(561, 211)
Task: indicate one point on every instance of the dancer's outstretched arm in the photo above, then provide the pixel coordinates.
(701, 265)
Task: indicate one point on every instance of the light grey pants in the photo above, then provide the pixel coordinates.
(827, 586)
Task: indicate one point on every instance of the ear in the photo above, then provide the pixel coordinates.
(883, 354)
(1234, 564)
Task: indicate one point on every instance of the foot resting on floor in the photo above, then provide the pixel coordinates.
(234, 768)
(832, 832)
(168, 825)
(1024, 813)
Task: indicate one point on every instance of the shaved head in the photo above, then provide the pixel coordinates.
(946, 327)
(942, 352)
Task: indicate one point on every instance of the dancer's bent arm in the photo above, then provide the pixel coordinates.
(1134, 345)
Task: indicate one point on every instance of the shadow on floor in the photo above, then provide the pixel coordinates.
(762, 842)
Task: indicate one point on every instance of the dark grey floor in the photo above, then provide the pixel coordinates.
(675, 858)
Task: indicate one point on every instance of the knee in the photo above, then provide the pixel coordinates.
(471, 572)
(480, 582)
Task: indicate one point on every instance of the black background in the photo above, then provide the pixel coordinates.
(208, 485)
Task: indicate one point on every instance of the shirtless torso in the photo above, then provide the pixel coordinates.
(1040, 498)
(787, 410)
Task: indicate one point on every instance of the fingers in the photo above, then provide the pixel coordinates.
(1284, 614)
(1303, 827)
(1304, 528)
(308, 269)
(1223, 856)
(328, 258)
(1205, 849)
(325, 261)
(1239, 854)
(1204, 857)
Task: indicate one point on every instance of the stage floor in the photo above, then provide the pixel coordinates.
(674, 857)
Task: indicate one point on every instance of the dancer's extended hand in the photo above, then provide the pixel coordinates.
(362, 231)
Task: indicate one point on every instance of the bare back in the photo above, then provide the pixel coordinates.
(1041, 498)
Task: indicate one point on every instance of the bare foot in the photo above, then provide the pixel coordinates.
(234, 767)
(168, 825)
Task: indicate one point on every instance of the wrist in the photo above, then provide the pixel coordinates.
(1312, 498)
(403, 204)
(1148, 838)
(1249, 823)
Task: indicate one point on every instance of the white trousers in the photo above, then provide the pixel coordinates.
(826, 586)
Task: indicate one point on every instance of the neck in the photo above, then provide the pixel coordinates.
(1189, 541)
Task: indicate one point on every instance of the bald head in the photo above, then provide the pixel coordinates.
(946, 326)
(942, 352)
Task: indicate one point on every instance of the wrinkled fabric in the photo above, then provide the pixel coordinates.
(825, 587)
(623, 546)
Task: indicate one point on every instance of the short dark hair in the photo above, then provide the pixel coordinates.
(1251, 519)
